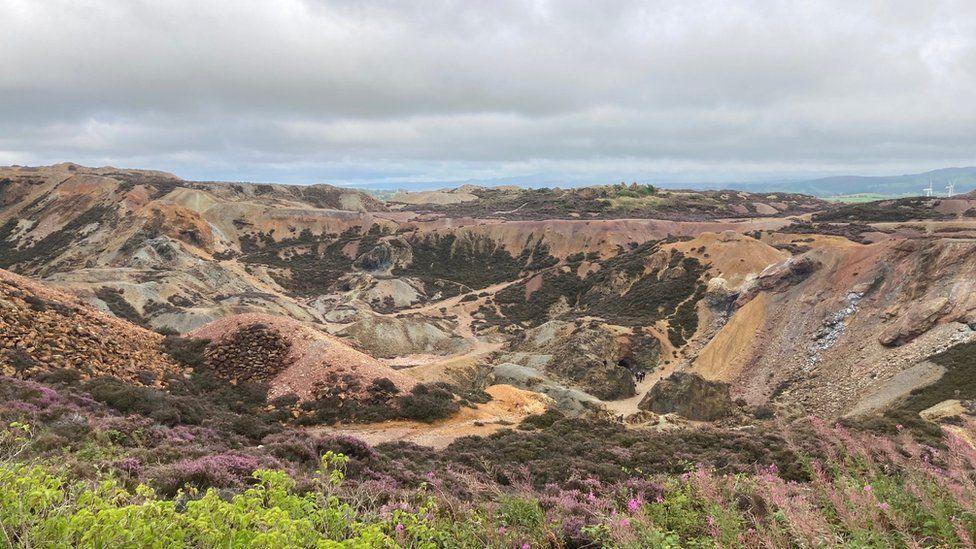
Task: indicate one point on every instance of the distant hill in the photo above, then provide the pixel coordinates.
(909, 184)
(893, 185)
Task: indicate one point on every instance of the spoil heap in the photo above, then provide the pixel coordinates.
(293, 357)
(44, 330)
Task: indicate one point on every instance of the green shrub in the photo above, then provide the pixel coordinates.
(40, 509)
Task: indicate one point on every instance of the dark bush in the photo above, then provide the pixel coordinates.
(120, 395)
(145, 377)
(541, 421)
(37, 304)
(156, 404)
(114, 298)
(763, 412)
(66, 376)
(559, 450)
(289, 400)
(292, 446)
(427, 403)
(186, 351)
(382, 387)
(894, 421)
(251, 427)
(48, 441)
(21, 360)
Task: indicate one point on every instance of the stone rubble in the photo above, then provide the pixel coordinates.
(254, 353)
(42, 330)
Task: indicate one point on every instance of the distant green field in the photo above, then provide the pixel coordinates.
(863, 197)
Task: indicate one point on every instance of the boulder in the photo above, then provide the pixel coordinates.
(915, 322)
(690, 396)
(780, 277)
(595, 357)
(943, 410)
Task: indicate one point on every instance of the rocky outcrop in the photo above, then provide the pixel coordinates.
(389, 253)
(256, 352)
(390, 337)
(592, 359)
(947, 409)
(935, 287)
(184, 252)
(597, 358)
(690, 396)
(568, 400)
(914, 322)
(780, 277)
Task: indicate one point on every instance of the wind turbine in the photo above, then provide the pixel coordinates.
(951, 187)
(928, 190)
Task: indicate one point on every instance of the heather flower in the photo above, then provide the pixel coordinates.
(400, 528)
(128, 465)
(633, 505)
(961, 532)
(219, 471)
(573, 528)
(24, 407)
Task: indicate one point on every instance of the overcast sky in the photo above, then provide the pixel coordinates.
(393, 91)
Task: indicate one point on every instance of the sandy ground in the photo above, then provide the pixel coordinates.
(433, 197)
(731, 255)
(628, 406)
(436, 368)
(508, 407)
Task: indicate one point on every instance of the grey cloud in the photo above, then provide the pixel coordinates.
(353, 91)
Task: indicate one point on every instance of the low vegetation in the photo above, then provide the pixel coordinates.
(473, 262)
(622, 200)
(832, 486)
(381, 401)
(897, 210)
(306, 263)
(624, 291)
(42, 253)
(197, 461)
(957, 383)
(116, 302)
